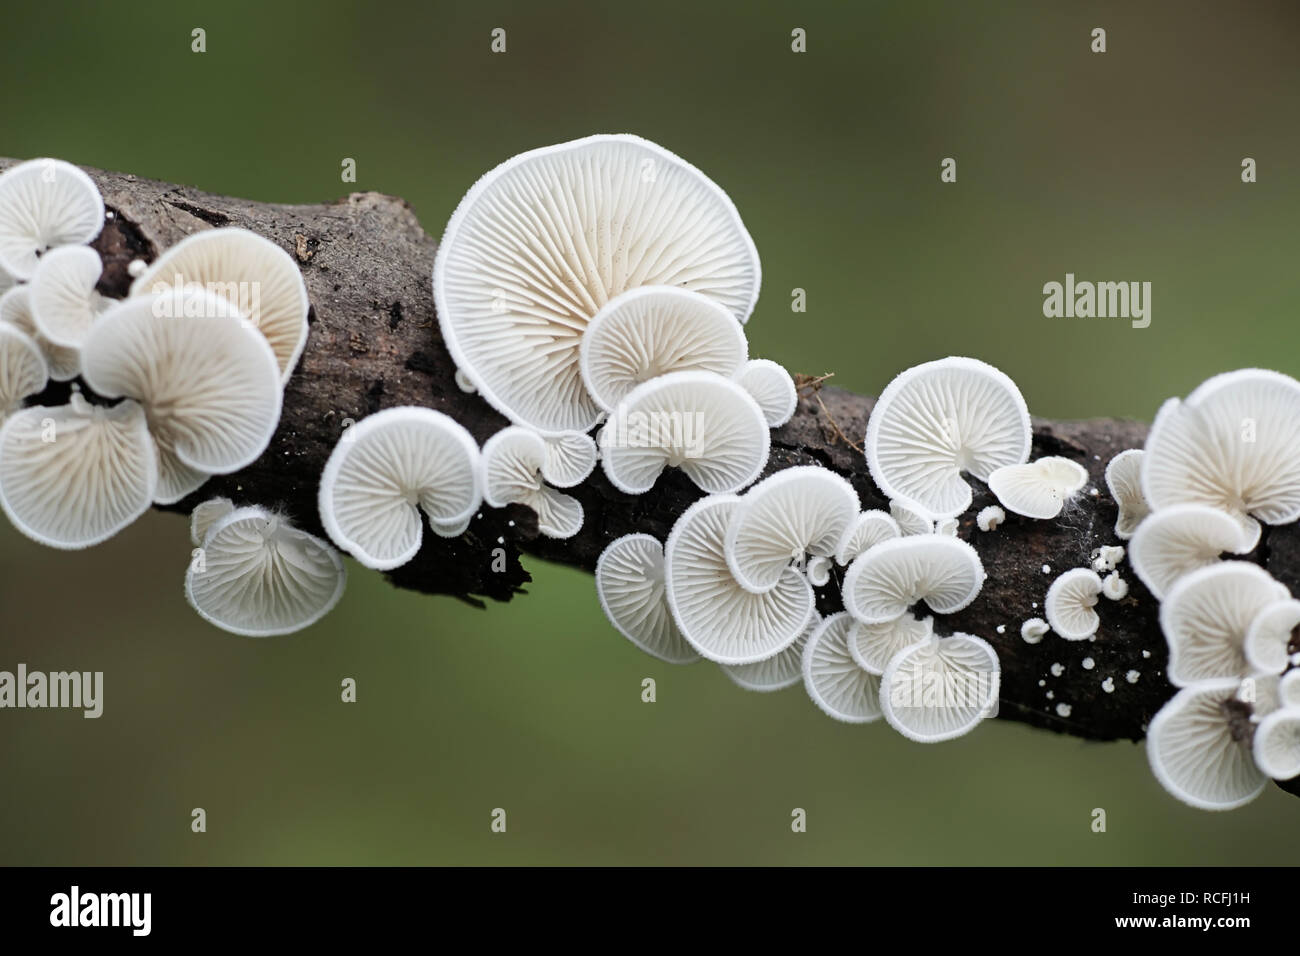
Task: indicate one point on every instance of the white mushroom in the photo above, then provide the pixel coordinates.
(948, 526)
(1124, 481)
(1114, 587)
(1288, 688)
(699, 422)
(45, 203)
(513, 460)
(464, 384)
(909, 519)
(1266, 643)
(16, 310)
(938, 420)
(1176, 540)
(805, 510)
(873, 646)
(23, 371)
(1198, 750)
(1107, 557)
(772, 387)
(1206, 616)
(1038, 489)
(388, 468)
(251, 271)
(867, 530)
(1230, 445)
(630, 585)
(63, 298)
(990, 518)
(940, 688)
(718, 617)
(818, 571)
(834, 681)
(75, 475)
(1276, 747)
(570, 458)
(205, 515)
(652, 330)
(209, 385)
(260, 576)
(1070, 602)
(1033, 630)
(541, 243)
(777, 672)
(881, 584)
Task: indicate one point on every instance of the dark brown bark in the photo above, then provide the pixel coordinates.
(375, 343)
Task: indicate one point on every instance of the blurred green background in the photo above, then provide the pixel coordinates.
(1122, 166)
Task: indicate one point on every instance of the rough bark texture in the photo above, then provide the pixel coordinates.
(375, 343)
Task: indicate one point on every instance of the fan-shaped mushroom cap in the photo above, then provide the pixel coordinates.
(22, 369)
(1070, 602)
(1114, 587)
(388, 468)
(1288, 688)
(882, 583)
(940, 688)
(205, 515)
(630, 585)
(1174, 541)
(777, 672)
(75, 475)
(909, 519)
(513, 460)
(773, 389)
(1124, 481)
(1269, 634)
(16, 310)
(251, 271)
(1277, 744)
(208, 383)
(1196, 752)
(940, 419)
(63, 297)
(261, 576)
(873, 646)
(1230, 445)
(797, 511)
(836, 684)
(541, 243)
(718, 617)
(570, 458)
(45, 203)
(1038, 489)
(704, 424)
(1032, 630)
(652, 330)
(865, 531)
(1206, 616)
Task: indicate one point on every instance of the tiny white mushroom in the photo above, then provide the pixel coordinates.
(837, 685)
(1277, 744)
(570, 458)
(45, 203)
(1174, 541)
(64, 301)
(388, 468)
(883, 583)
(23, 371)
(135, 268)
(777, 672)
(16, 310)
(1288, 688)
(1038, 489)
(867, 530)
(513, 460)
(1124, 481)
(261, 577)
(990, 518)
(1197, 753)
(1032, 630)
(1114, 587)
(705, 425)
(1070, 602)
(940, 688)
(1107, 558)
(874, 645)
(819, 571)
(938, 420)
(1266, 643)
(464, 384)
(630, 585)
(772, 387)
(205, 515)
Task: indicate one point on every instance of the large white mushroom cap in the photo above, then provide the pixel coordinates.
(1199, 751)
(836, 684)
(865, 531)
(805, 510)
(940, 688)
(251, 271)
(777, 672)
(388, 468)
(873, 646)
(699, 422)
(1070, 602)
(1124, 481)
(939, 419)
(773, 389)
(1266, 646)
(208, 382)
(64, 301)
(1206, 617)
(1276, 746)
(260, 576)
(1230, 445)
(1038, 489)
(23, 371)
(718, 617)
(882, 583)
(514, 465)
(630, 585)
(16, 310)
(45, 203)
(541, 243)
(652, 330)
(75, 475)
(1177, 540)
